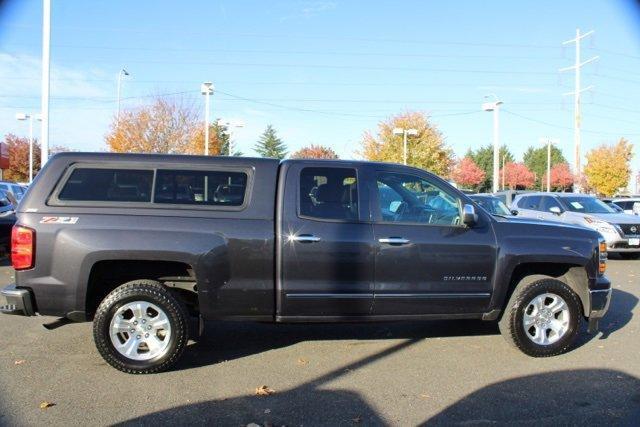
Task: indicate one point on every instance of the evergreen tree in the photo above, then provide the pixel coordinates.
(269, 145)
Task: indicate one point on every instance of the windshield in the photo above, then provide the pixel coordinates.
(587, 205)
(492, 205)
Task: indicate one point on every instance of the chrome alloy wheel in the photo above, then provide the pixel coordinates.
(140, 330)
(546, 319)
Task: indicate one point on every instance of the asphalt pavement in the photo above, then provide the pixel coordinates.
(436, 373)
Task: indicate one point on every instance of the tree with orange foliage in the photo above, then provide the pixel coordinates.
(18, 148)
(315, 152)
(561, 177)
(517, 176)
(609, 167)
(467, 173)
(426, 150)
(165, 126)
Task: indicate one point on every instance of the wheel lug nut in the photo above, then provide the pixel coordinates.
(144, 321)
(146, 335)
(149, 327)
(135, 322)
(138, 336)
(133, 330)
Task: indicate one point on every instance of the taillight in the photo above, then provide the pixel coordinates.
(22, 247)
(602, 257)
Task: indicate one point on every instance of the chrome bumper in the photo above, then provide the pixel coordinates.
(19, 301)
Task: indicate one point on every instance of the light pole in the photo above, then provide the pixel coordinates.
(405, 133)
(206, 89)
(495, 107)
(23, 116)
(504, 161)
(46, 65)
(548, 141)
(229, 125)
(121, 73)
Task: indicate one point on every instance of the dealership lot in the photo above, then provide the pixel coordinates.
(368, 374)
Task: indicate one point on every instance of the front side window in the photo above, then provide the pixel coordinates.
(532, 203)
(108, 185)
(550, 202)
(404, 198)
(191, 187)
(329, 193)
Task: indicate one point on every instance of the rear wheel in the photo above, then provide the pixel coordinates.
(542, 318)
(140, 328)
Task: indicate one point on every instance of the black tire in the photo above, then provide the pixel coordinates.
(629, 255)
(511, 324)
(154, 293)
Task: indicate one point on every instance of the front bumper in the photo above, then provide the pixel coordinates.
(599, 301)
(616, 243)
(19, 301)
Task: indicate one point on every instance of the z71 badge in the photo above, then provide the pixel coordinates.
(59, 220)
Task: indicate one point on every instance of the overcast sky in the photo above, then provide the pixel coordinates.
(325, 71)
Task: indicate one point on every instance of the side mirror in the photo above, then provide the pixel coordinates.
(555, 210)
(469, 215)
(514, 211)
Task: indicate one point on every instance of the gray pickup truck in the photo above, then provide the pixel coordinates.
(142, 244)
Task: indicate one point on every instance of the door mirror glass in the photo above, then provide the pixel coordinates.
(555, 210)
(469, 215)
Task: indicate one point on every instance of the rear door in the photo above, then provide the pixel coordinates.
(326, 242)
(427, 262)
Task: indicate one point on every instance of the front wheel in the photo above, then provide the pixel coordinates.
(542, 318)
(140, 328)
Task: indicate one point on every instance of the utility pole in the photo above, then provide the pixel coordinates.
(504, 160)
(207, 90)
(577, 114)
(46, 62)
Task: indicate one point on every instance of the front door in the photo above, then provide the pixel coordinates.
(326, 243)
(427, 262)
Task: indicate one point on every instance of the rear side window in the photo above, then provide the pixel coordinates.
(191, 187)
(108, 185)
(329, 193)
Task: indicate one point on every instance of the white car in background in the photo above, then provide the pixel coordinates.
(630, 205)
(621, 231)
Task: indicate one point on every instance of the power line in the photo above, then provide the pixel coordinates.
(557, 126)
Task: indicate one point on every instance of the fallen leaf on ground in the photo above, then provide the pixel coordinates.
(264, 390)
(357, 419)
(253, 425)
(424, 396)
(20, 362)
(302, 361)
(267, 411)
(45, 404)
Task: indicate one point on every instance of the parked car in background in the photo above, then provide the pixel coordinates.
(7, 219)
(629, 205)
(492, 204)
(614, 207)
(621, 231)
(13, 190)
(507, 196)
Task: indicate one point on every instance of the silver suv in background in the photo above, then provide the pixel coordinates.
(621, 231)
(630, 205)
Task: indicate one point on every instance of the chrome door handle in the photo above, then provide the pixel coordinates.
(305, 238)
(394, 240)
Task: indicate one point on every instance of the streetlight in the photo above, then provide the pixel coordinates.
(495, 107)
(206, 89)
(548, 141)
(404, 133)
(229, 124)
(30, 117)
(121, 73)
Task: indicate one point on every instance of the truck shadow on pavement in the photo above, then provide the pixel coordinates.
(571, 397)
(224, 341)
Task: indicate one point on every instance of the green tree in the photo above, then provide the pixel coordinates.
(426, 150)
(536, 160)
(483, 157)
(269, 145)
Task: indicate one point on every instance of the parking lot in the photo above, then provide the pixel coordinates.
(368, 374)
